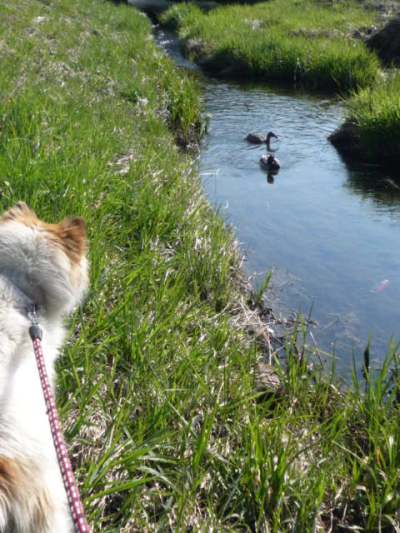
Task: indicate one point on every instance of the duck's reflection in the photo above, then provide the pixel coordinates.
(270, 177)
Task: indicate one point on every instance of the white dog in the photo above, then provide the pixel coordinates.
(42, 264)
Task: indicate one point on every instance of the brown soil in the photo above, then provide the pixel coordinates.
(347, 139)
(386, 42)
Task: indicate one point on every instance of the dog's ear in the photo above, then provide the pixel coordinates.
(72, 233)
(19, 211)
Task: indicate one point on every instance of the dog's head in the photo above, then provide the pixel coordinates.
(46, 261)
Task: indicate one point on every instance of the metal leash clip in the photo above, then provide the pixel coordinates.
(35, 331)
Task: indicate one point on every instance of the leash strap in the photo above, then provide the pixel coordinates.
(71, 488)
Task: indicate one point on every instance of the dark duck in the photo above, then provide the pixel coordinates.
(270, 163)
(255, 138)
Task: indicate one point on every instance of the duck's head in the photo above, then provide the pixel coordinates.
(271, 135)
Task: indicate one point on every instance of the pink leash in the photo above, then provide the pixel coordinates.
(71, 488)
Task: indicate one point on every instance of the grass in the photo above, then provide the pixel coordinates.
(302, 42)
(156, 384)
(376, 113)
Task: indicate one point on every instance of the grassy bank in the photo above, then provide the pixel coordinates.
(303, 43)
(157, 384)
(371, 131)
(375, 114)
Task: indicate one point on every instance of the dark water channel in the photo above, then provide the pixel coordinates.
(329, 233)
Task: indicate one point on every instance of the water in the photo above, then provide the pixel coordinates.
(329, 232)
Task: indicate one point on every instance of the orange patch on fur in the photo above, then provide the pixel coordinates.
(69, 234)
(8, 479)
(22, 213)
(19, 490)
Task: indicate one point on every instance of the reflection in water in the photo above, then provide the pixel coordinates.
(377, 185)
(328, 231)
(331, 231)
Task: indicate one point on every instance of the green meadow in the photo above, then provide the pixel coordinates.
(304, 43)
(159, 383)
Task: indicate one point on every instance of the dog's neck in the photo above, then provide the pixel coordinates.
(19, 295)
(20, 393)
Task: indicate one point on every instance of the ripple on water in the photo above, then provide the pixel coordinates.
(332, 229)
(329, 232)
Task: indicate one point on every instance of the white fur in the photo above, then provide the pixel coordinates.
(32, 270)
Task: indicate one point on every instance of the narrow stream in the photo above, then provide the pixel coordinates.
(329, 233)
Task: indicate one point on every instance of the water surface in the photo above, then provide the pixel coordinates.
(329, 233)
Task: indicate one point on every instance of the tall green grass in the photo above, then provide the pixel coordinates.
(301, 42)
(156, 385)
(375, 111)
